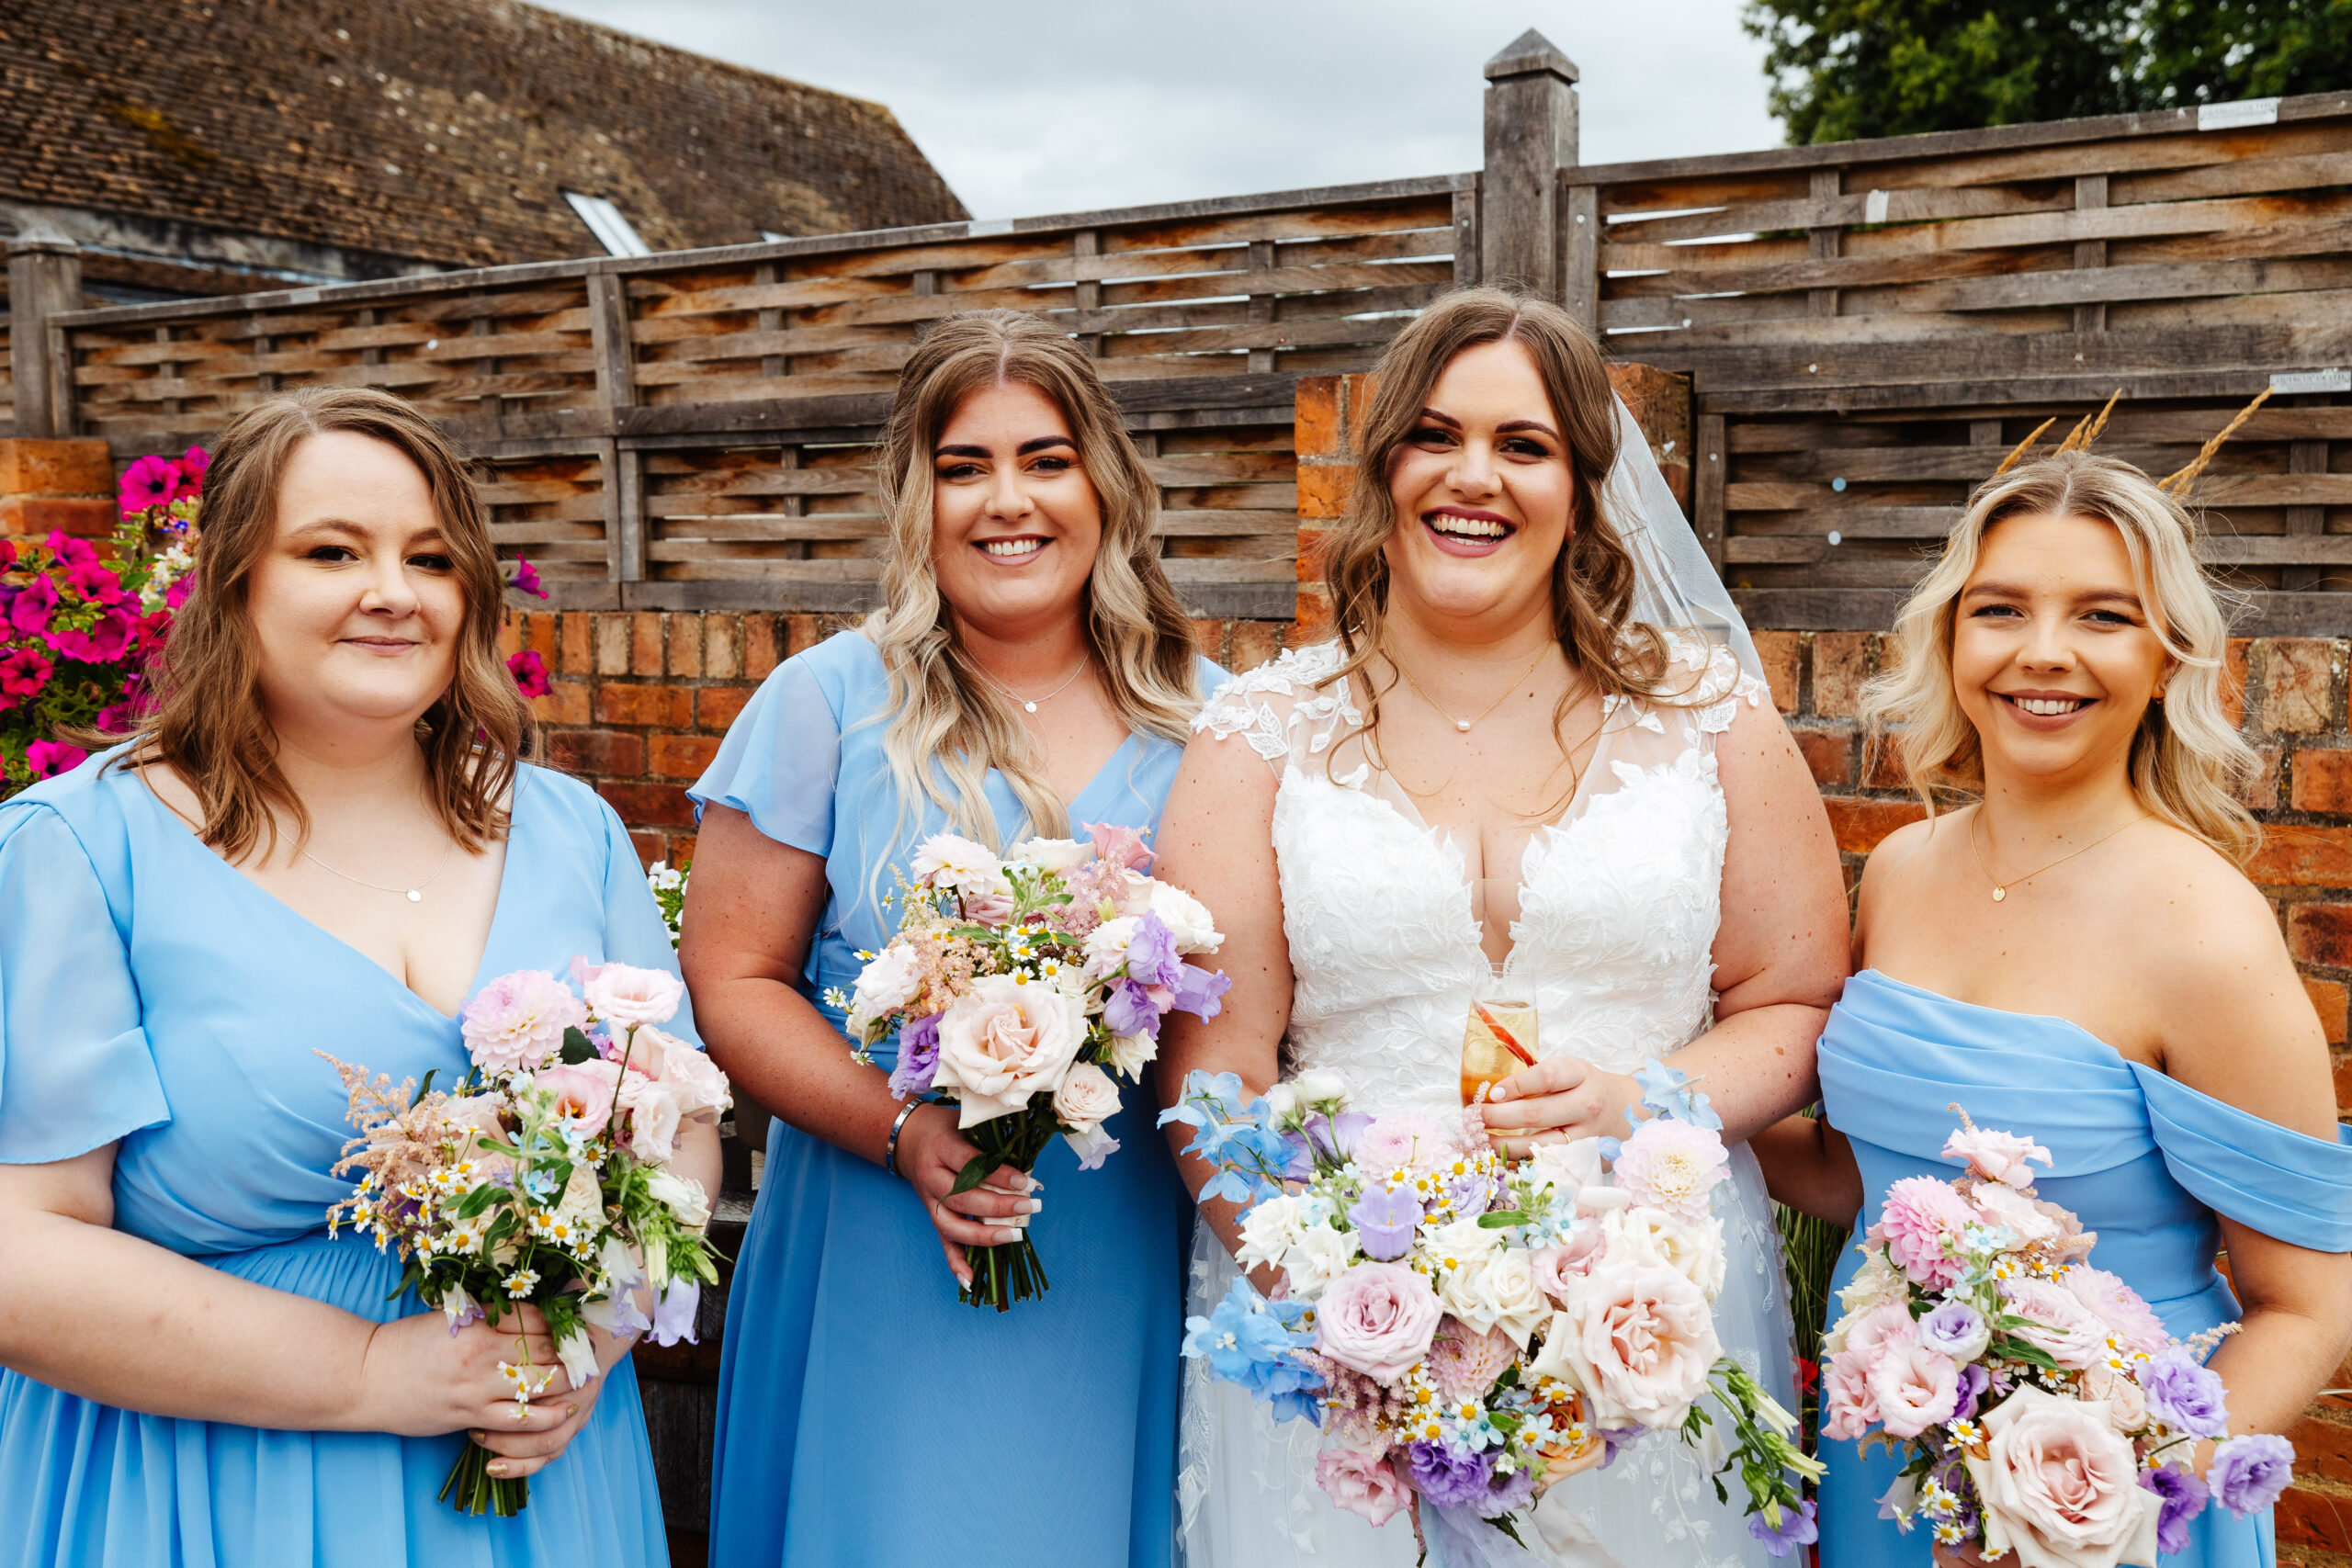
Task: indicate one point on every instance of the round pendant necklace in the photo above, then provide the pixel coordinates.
(1463, 725)
(1029, 704)
(2000, 888)
(414, 894)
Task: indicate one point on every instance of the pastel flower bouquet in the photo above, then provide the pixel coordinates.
(1017, 986)
(1469, 1331)
(543, 1177)
(2042, 1406)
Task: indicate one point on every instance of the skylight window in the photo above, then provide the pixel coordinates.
(605, 221)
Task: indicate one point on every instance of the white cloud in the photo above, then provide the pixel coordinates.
(1032, 106)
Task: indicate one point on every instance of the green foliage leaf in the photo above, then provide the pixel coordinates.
(975, 1171)
(1501, 1219)
(577, 1047)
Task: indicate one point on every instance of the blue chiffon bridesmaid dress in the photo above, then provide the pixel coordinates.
(2144, 1160)
(153, 998)
(865, 1416)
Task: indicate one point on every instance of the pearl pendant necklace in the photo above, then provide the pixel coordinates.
(413, 895)
(1029, 704)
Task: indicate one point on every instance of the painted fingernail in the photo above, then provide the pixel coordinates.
(1029, 1183)
(571, 1410)
(1008, 1233)
(1034, 1206)
(497, 1467)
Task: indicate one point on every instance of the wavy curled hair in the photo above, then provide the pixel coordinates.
(949, 724)
(1593, 577)
(208, 723)
(2187, 761)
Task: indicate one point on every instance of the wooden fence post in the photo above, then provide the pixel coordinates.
(1531, 136)
(44, 278)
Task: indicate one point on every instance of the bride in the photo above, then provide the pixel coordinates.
(1530, 767)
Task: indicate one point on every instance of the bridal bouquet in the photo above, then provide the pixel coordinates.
(1466, 1330)
(542, 1177)
(1017, 986)
(2042, 1406)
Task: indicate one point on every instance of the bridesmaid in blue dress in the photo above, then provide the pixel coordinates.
(1032, 672)
(284, 862)
(2077, 959)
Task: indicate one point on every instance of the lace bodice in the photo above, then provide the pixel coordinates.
(1618, 900)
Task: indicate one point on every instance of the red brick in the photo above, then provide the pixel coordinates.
(716, 706)
(1781, 654)
(1830, 754)
(30, 466)
(650, 847)
(2310, 1518)
(680, 849)
(1356, 393)
(682, 756)
(650, 804)
(2328, 1000)
(1860, 824)
(2298, 685)
(1883, 765)
(1313, 620)
(2322, 1447)
(510, 633)
(37, 514)
(685, 645)
(801, 633)
(722, 654)
(611, 645)
(539, 634)
(1840, 665)
(2320, 933)
(579, 643)
(645, 643)
(661, 707)
(2323, 781)
(1323, 488)
(1319, 424)
(1255, 643)
(567, 702)
(2260, 793)
(2344, 1108)
(760, 654)
(598, 751)
(1208, 639)
(2296, 857)
(2233, 679)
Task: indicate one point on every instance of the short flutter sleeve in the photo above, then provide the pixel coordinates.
(75, 1068)
(779, 760)
(2283, 1183)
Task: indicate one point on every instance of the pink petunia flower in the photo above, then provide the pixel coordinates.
(96, 584)
(148, 483)
(530, 673)
(526, 579)
(194, 462)
(29, 610)
(108, 639)
(71, 552)
(48, 758)
(23, 671)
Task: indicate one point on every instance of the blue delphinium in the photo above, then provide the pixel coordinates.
(1667, 1091)
(1236, 1135)
(1246, 1339)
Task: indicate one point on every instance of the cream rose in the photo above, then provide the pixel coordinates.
(1270, 1230)
(1320, 1256)
(1186, 918)
(1569, 1168)
(1500, 1292)
(1058, 855)
(2059, 1486)
(1640, 1342)
(653, 1118)
(1692, 1247)
(702, 1090)
(2056, 1321)
(889, 980)
(1002, 1042)
(625, 996)
(1087, 1097)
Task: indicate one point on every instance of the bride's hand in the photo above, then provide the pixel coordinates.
(931, 1154)
(1558, 1102)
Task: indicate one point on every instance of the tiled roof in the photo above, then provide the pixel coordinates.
(440, 129)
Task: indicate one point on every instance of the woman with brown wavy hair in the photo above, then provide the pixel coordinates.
(323, 839)
(1526, 769)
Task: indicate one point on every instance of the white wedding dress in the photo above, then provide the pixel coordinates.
(1618, 906)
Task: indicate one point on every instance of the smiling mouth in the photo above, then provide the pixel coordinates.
(1012, 550)
(1478, 530)
(2047, 707)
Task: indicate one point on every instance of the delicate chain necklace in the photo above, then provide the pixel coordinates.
(2000, 888)
(1463, 724)
(1029, 704)
(415, 895)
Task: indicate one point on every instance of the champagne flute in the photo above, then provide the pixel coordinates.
(1497, 1041)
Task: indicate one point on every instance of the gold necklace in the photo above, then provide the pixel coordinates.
(1463, 725)
(415, 895)
(2000, 888)
(1029, 704)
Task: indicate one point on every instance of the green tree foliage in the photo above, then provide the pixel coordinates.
(1845, 69)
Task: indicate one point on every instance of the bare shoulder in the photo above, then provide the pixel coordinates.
(1897, 849)
(2198, 919)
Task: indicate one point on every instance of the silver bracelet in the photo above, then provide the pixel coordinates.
(890, 1149)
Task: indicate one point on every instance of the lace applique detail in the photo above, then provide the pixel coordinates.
(1284, 709)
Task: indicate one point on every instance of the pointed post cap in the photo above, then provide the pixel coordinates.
(1531, 54)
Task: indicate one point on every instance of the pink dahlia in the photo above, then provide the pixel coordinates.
(2119, 1307)
(518, 1020)
(1671, 1165)
(1920, 1216)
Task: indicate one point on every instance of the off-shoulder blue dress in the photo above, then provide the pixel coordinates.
(153, 997)
(2144, 1160)
(865, 1416)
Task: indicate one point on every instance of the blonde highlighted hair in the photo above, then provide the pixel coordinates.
(2188, 760)
(207, 722)
(949, 724)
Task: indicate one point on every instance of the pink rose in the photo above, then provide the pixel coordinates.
(1003, 1040)
(1997, 1157)
(583, 1092)
(1377, 1318)
(625, 996)
(702, 1090)
(1671, 1165)
(653, 1119)
(1920, 1216)
(1087, 1097)
(2126, 1400)
(1847, 1408)
(2119, 1307)
(1558, 1268)
(2056, 1322)
(1122, 846)
(2060, 1486)
(2031, 1222)
(1876, 1333)
(1361, 1482)
(1641, 1345)
(474, 1116)
(1915, 1388)
(518, 1020)
(1403, 1140)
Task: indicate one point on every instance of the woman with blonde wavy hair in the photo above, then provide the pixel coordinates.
(2075, 956)
(1030, 674)
(322, 838)
(1534, 764)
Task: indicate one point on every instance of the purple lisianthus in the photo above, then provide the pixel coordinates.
(1127, 1010)
(1615, 1440)
(1507, 1494)
(2183, 1496)
(1798, 1527)
(1974, 1381)
(918, 1058)
(2248, 1472)
(1957, 1330)
(1474, 1193)
(1152, 959)
(1197, 989)
(1386, 1218)
(2184, 1395)
(1446, 1476)
(1337, 1138)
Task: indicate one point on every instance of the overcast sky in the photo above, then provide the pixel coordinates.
(1033, 107)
